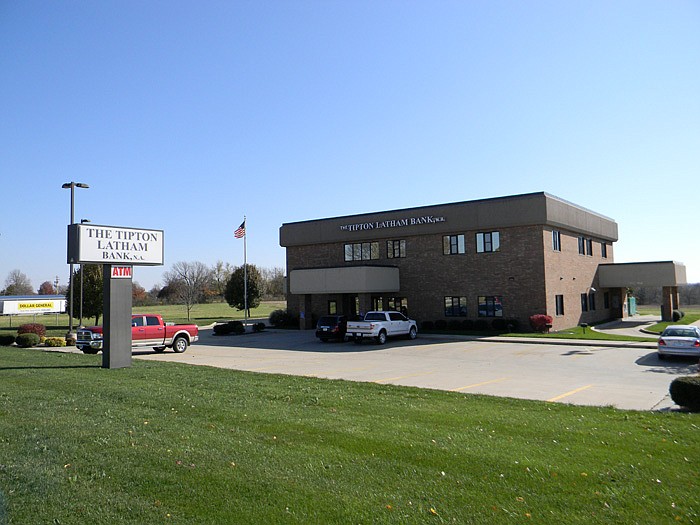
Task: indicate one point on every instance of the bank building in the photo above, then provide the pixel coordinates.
(501, 258)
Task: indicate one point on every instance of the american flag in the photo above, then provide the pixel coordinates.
(240, 232)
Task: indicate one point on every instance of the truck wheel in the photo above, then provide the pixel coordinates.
(179, 345)
(381, 338)
(159, 349)
(412, 333)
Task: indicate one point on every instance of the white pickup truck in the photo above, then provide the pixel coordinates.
(380, 325)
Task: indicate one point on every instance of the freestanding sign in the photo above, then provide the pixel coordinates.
(89, 243)
(118, 249)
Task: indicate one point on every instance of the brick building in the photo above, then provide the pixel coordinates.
(502, 258)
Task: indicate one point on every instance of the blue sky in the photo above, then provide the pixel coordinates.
(186, 116)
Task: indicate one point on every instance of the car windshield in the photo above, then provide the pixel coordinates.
(680, 332)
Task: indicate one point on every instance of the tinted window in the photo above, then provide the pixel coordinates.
(152, 321)
(375, 317)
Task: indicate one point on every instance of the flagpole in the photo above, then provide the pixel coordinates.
(245, 272)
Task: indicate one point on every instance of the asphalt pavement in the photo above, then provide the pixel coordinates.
(626, 375)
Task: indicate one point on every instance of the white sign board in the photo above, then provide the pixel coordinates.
(89, 243)
(33, 306)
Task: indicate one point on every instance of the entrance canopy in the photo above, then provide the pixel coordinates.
(630, 275)
(347, 279)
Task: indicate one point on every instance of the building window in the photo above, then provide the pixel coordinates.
(455, 306)
(559, 300)
(396, 249)
(332, 307)
(556, 240)
(584, 302)
(603, 250)
(400, 304)
(490, 306)
(591, 301)
(377, 304)
(453, 244)
(361, 251)
(585, 246)
(488, 242)
(606, 300)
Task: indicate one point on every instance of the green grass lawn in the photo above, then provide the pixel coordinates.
(172, 443)
(201, 314)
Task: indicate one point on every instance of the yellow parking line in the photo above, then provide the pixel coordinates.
(479, 384)
(402, 377)
(570, 393)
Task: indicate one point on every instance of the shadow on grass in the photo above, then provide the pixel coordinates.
(43, 367)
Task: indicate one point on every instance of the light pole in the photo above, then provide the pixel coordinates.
(82, 221)
(72, 186)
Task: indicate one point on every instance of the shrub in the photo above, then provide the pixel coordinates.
(481, 325)
(55, 341)
(258, 327)
(454, 324)
(6, 339)
(27, 340)
(427, 325)
(540, 322)
(222, 329)
(440, 324)
(236, 327)
(499, 324)
(468, 324)
(280, 318)
(685, 392)
(32, 328)
(229, 327)
(513, 325)
(677, 315)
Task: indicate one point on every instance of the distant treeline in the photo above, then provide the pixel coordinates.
(689, 294)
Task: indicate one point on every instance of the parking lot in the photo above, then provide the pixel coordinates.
(628, 377)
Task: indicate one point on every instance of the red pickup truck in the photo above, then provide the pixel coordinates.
(146, 330)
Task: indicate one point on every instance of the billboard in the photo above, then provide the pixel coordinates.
(32, 306)
(90, 243)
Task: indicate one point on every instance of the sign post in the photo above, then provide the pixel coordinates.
(118, 249)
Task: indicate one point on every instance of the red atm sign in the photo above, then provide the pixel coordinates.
(121, 272)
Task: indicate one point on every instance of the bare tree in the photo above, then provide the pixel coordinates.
(190, 280)
(272, 282)
(221, 273)
(18, 283)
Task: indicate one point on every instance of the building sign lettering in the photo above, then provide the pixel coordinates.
(121, 272)
(392, 223)
(88, 243)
